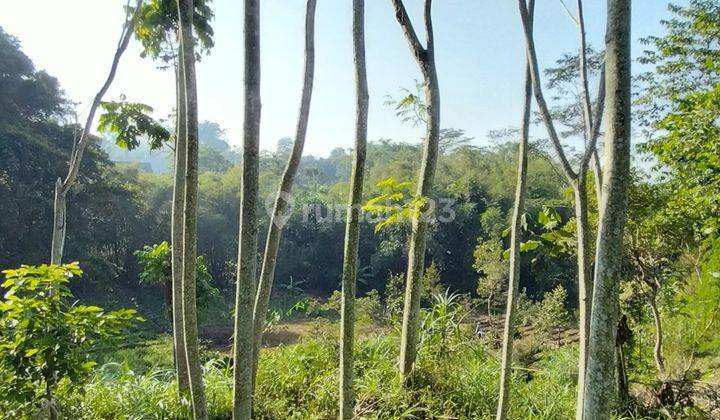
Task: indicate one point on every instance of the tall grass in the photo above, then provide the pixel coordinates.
(300, 382)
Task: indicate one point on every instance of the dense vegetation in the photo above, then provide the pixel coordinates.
(61, 354)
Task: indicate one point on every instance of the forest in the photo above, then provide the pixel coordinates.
(564, 267)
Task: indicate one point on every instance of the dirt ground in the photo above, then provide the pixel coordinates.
(290, 332)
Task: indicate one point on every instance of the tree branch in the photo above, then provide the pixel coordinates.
(85, 136)
(430, 35)
(591, 145)
(569, 13)
(539, 97)
(407, 27)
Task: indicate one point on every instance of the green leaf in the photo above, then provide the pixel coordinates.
(529, 245)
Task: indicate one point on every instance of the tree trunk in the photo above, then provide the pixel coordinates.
(657, 349)
(278, 217)
(247, 246)
(600, 392)
(354, 214)
(621, 375)
(177, 232)
(587, 114)
(578, 181)
(584, 262)
(63, 187)
(425, 58)
(192, 351)
(515, 239)
(59, 219)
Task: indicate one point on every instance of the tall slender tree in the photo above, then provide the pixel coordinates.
(600, 392)
(515, 239)
(159, 33)
(425, 57)
(354, 214)
(63, 186)
(278, 216)
(577, 180)
(177, 230)
(190, 328)
(247, 246)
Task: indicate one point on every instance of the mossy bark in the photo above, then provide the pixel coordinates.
(515, 239)
(600, 392)
(248, 241)
(278, 216)
(177, 232)
(354, 215)
(425, 57)
(190, 327)
(584, 262)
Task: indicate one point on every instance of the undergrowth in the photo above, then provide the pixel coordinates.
(299, 381)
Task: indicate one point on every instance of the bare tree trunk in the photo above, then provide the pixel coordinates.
(278, 217)
(425, 58)
(59, 219)
(600, 392)
(248, 241)
(192, 351)
(584, 261)
(621, 375)
(587, 113)
(62, 187)
(177, 234)
(657, 349)
(354, 214)
(578, 181)
(515, 239)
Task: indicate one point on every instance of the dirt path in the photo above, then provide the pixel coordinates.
(287, 332)
(290, 332)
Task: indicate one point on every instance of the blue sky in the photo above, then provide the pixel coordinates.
(479, 51)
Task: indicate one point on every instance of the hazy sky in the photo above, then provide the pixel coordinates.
(479, 51)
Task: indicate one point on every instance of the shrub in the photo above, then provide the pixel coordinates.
(46, 337)
(552, 312)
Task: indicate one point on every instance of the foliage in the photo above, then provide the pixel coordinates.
(549, 237)
(157, 28)
(679, 107)
(394, 294)
(45, 336)
(493, 270)
(395, 205)
(156, 262)
(441, 323)
(552, 312)
(562, 81)
(410, 108)
(694, 332)
(300, 381)
(130, 120)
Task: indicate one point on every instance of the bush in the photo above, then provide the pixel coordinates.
(552, 312)
(45, 337)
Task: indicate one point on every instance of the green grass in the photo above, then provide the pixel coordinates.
(300, 382)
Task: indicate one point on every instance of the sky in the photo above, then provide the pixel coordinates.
(479, 54)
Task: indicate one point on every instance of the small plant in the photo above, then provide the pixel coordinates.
(45, 336)
(441, 324)
(368, 309)
(493, 270)
(552, 312)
